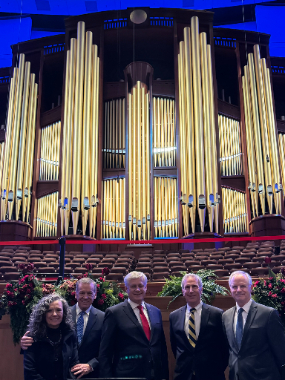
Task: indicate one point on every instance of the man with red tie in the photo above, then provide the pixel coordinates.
(133, 341)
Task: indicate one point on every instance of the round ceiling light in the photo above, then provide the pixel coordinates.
(138, 16)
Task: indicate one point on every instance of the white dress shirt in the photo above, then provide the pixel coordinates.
(85, 316)
(197, 318)
(246, 308)
(134, 306)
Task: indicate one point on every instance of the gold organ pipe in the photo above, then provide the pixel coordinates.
(250, 145)
(272, 136)
(147, 165)
(29, 148)
(143, 169)
(131, 213)
(16, 131)
(77, 132)
(198, 121)
(134, 159)
(140, 93)
(85, 194)
(257, 137)
(207, 130)
(263, 127)
(189, 122)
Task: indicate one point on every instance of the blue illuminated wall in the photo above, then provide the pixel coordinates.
(267, 19)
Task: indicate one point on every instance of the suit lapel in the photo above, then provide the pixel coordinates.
(181, 327)
(73, 313)
(130, 313)
(204, 318)
(229, 326)
(91, 320)
(151, 319)
(251, 315)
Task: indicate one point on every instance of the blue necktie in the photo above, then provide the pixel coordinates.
(239, 327)
(80, 326)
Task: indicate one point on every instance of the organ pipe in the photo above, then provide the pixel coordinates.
(50, 143)
(79, 183)
(47, 215)
(19, 153)
(234, 211)
(139, 182)
(164, 146)
(114, 153)
(165, 212)
(113, 216)
(230, 149)
(261, 135)
(199, 187)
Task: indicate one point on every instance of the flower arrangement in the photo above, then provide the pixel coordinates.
(19, 297)
(172, 286)
(271, 291)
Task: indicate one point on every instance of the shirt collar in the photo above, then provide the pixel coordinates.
(134, 305)
(78, 310)
(198, 307)
(245, 307)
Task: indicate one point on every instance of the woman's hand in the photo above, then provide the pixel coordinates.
(26, 341)
(81, 370)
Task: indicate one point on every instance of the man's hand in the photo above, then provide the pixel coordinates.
(26, 341)
(81, 370)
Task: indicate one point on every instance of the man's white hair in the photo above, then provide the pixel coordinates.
(240, 272)
(134, 275)
(198, 278)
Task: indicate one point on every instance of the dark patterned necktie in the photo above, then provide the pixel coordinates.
(80, 327)
(239, 327)
(192, 333)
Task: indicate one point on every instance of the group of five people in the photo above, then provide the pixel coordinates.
(128, 340)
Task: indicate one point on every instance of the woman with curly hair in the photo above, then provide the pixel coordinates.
(54, 350)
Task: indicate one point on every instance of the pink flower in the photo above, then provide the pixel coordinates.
(104, 296)
(100, 278)
(270, 286)
(8, 286)
(89, 267)
(120, 295)
(100, 302)
(264, 283)
(256, 283)
(270, 293)
(283, 290)
(98, 285)
(23, 302)
(274, 295)
(105, 271)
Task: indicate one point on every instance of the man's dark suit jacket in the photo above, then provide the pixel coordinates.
(209, 358)
(262, 351)
(125, 350)
(88, 351)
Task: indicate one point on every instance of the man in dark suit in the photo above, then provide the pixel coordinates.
(196, 335)
(255, 335)
(88, 321)
(133, 342)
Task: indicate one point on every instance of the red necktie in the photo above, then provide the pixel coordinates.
(145, 324)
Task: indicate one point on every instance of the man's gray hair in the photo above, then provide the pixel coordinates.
(134, 275)
(240, 272)
(198, 278)
(86, 280)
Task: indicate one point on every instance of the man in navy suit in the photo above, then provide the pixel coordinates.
(91, 329)
(255, 335)
(196, 335)
(133, 341)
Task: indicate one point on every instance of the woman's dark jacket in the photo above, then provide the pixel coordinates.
(39, 361)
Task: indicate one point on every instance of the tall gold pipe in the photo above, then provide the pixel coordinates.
(264, 128)
(15, 139)
(134, 159)
(139, 137)
(250, 146)
(77, 132)
(85, 195)
(198, 121)
(257, 137)
(272, 136)
(130, 166)
(143, 169)
(29, 148)
(207, 129)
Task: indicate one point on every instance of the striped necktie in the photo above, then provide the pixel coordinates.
(192, 333)
(80, 327)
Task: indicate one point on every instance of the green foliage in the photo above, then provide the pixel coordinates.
(172, 286)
